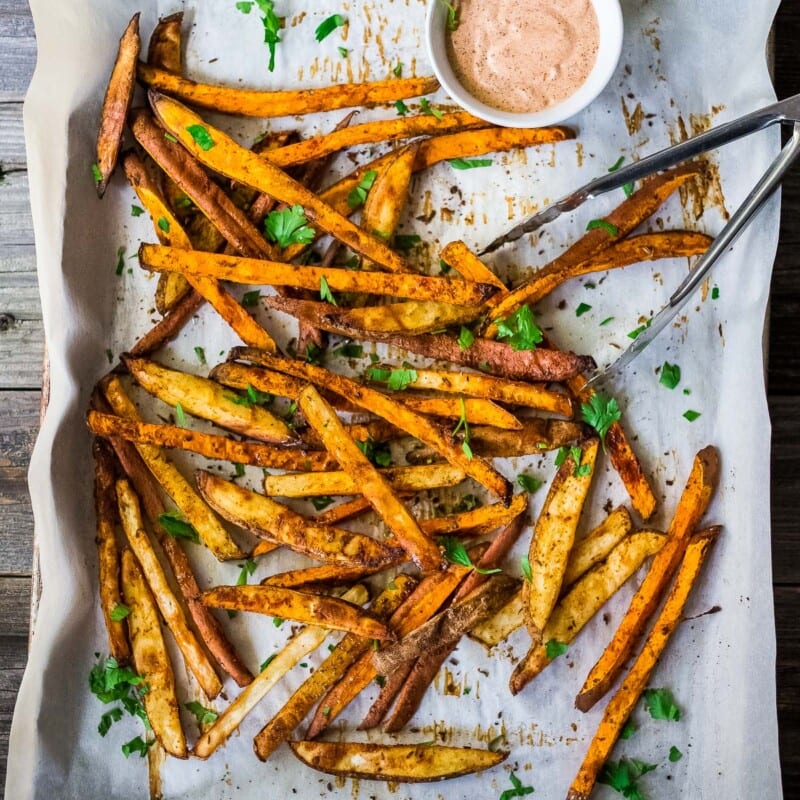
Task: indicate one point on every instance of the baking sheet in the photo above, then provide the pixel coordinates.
(685, 65)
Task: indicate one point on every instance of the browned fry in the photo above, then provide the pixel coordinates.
(148, 490)
(311, 609)
(170, 326)
(383, 130)
(371, 483)
(251, 103)
(624, 219)
(692, 505)
(195, 183)
(414, 424)
(173, 613)
(281, 726)
(276, 273)
(164, 50)
(475, 410)
(229, 159)
(278, 524)
(411, 317)
(151, 659)
(238, 376)
(209, 444)
(477, 522)
(326, 575)
(107, 553)
(423, 670)
(116, 103)
(622, 704)
(458, 256)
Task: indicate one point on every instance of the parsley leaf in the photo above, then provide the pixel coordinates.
(670, 375)
(529, 483)
(137, 211)
(525, 566)
(428, 109)
(582, 309)
(518, 791)
(405, 242)
(119, 612)
(267, 661)
(606, 321)
(272, 28)
(328, 26)
(691, 415)
(343, 52)
(617, 164)
(641, 329)
(628, 188)
(465, 338)
(401, 379)
(452, 16)
(163, 224)
(358, 196)
(715, 293)
(601, 412)
(201, 136)
(628, 730)
(466, 163)
(553, 649)
(520, 329)
(201, 355)
(675, 754)
(175, 524)
(248, 568)
(661, 704)
(245, 7)
(137, 745)
(96, 174)
(595, 224)
(289, 226)
(250, 299)
(623, 775)
(321, 502)
(108, 719)
(203, 715)
(379, 454)
(180, 416)
(456, 553)
(400, 107)
(398, 72)
(349, 351)
(120, 260)
(325, 293)
(462, 423)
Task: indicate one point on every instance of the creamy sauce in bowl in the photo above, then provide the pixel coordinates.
(523, 56)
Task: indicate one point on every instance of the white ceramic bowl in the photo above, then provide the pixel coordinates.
(609, 18)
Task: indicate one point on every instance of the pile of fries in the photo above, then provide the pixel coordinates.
(405, 593)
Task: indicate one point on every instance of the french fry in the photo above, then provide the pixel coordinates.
(451, 623)
(622, 704)
(428, 597)
(191, 505)
(475, 410)
(411, 317)
(343, 511)
(169, 326)
(238, 376)
(496, 629)
(207, 625)
(487, 386)
(276, 273)
(587, 596)
(151, 659)
(193, 654)
(458, 256)
(395, 762)
(597, 544)
(280, 727)
(372, 484)
(209, 445)
(194, 182)
(300, 645)
(370, 400)
(280, 525)
(623, 219)
(554, 535)
(329, 612)
(401, 479)
(477, 522)
(164, 49)
(116, 103)
(384, 130)
(233, 161)
(326, 575)
(107, 553)
(692, 505)
(251, 103)
(206, 399)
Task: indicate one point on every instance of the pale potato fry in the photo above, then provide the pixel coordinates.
(208, 400)
(476, 410)
(395, 762)
(197, 513)
(274, 601)
(151, 659)
(401, 479)
(116, 103)
(586, 597)
(488, 386)
(193, 654)
(280, 525)
(300, 645)
(373, 485)
(276, 273)
(554, 535)
(597, 544)
(238, 376)
(496, 629)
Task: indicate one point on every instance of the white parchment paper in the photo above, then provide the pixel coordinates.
(686, 64)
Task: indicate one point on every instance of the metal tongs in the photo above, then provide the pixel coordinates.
(784, 112)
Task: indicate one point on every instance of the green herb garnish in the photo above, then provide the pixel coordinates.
(601, 412)
(203, 715)
(456, 553)
(405, 242)
(518, 791)
(163, 224)
(529, 483)
(325, 293)
(289, 226)
(427, 108)
(328, 26)
(525, 565)
(670, 375)
(180, 416)
(553, 649)
(136, 211)
(358, 196)
(623, 775)
(247, 569)
(400, 107)
(582, 309)
(675, 754)
(520, 329)
(175, 524)
(661, 704)
(119, 612)
(469, 163)
(691, 415)
(595, 224)
(202, 138)
(465, 338)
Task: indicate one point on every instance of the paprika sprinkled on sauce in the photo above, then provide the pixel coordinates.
(523, 55)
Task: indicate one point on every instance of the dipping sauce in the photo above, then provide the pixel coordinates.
(523, 55)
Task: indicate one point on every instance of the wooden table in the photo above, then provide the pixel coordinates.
(21, 355)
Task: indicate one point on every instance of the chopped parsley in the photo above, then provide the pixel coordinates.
(452, 16)
(248, 568)
(395, 379)
(163, 224)
(252, 398)
(670, 375)
(201, 355)
(328, 26)
(119, 612)
(343, 52)
(180, 416)
(321, 502)
(462, 423)
(245, 7)
(325, 293)
(518, 789)
(277, 621)
(267, 661)
(289, 226)
(175, 524)
(108, 719)
(606, 321)
(636, 332)
(469, 163)
(203, 715)
(96, 174)
(428, 109)
(201, 136)
(675, 754)
(272, 26)
(465, 338)
(400, 107)
(349, 351)
(111, 683)
(136, 211)
(137, 745)
(380, 680)
(715, 293)
(529, 483)
(405, 242)
(617, 164)
(553, 649)
(120, 260)
(398, 70)
(525, 566)
(691, 415)
(238, 470)
(520, 329)
(456, 553)
(379, 454)
(601, 412)
(250, 299)
(170, 138)
(622, 776)
(576, 452)
(628, 730)
(358, 196)
(582, 309)
(661, 704)
(595, 224)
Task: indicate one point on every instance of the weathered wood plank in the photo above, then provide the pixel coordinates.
(16, 225)
(13, 655)
(15, 596)
(12, 137)
(787, 628)
(17, 49)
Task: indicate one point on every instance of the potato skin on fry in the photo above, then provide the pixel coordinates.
(399, 762)
(164, 48)
(116, 103)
